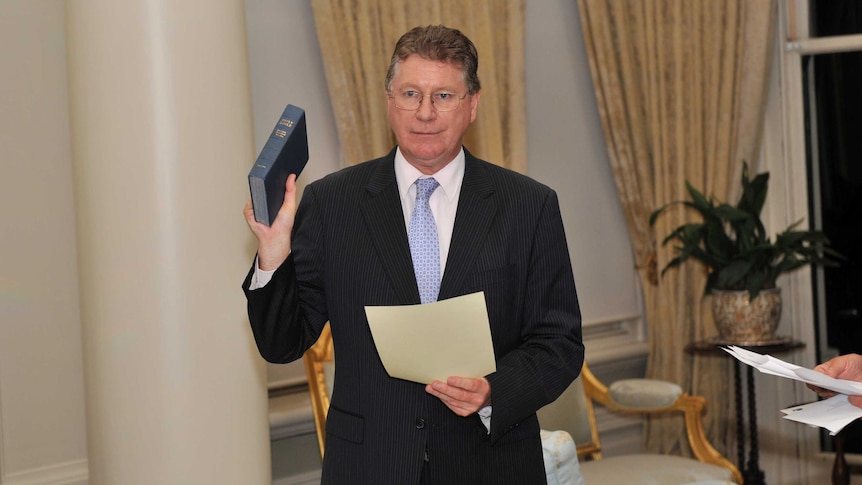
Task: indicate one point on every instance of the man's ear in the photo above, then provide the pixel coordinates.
(474, 105)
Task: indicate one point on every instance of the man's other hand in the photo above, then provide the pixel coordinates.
(463, 395)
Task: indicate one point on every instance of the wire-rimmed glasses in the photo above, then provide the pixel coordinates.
(411, 100)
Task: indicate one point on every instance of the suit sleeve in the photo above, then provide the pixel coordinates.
(287, 315)
(551, 352)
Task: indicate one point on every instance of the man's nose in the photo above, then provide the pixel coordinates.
(426, 109)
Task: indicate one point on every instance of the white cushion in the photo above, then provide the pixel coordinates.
(561, 458)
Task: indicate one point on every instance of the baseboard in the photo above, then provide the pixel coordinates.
(77, 473)
(69, 473)
(307, 478)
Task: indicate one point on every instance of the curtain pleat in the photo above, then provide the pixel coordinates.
(357, 38)
(680, 87)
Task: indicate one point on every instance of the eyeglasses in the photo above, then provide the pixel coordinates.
(412, 100)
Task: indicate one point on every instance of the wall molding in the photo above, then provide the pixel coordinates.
(290, 414)
(615, 339)
(68, 473)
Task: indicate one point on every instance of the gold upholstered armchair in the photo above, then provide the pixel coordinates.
(566, 462)
(640, 396)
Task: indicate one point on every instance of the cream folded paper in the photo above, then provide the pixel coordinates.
(423, 343)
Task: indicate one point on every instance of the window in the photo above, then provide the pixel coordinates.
(832, 79)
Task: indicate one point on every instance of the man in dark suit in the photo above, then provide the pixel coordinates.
(357, 239)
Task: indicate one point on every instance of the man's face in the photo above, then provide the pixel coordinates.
(429, 139)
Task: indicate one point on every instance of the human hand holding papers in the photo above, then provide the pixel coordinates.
(454, 339)
(833, 413)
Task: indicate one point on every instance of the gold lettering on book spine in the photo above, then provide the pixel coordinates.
(280, 133)
(286, 122)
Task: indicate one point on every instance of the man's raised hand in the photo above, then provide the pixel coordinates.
(273, 242)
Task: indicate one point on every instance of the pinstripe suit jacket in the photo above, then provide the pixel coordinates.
(350, 249)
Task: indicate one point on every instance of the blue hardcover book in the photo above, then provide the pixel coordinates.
(285, 152)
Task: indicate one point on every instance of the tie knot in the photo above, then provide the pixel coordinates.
(425, 187)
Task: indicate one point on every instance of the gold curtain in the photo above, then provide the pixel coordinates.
(357, 37)
(680, 87)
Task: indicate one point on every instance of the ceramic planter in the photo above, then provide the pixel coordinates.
(742, 321)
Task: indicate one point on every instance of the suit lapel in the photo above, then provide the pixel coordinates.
(476, 210)
(385, 219)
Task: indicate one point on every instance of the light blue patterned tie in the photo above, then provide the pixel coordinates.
(424, 246)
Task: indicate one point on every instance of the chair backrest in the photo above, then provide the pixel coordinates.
(578, 418)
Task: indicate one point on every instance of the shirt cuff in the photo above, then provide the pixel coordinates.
(485, 416)
(260, 277)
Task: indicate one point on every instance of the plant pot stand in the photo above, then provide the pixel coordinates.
(751, 472)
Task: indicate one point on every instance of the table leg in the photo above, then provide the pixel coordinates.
(753, 475)
(840, 475)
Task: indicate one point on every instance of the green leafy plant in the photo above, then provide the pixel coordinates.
(732, 243)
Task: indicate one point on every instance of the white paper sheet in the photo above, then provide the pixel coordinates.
(423, 343)
(833, 414)
(770, 365)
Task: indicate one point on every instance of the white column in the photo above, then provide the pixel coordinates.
(162, 143)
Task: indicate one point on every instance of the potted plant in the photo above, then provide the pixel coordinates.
(743, 263)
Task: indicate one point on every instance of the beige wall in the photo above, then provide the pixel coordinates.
(42, 431)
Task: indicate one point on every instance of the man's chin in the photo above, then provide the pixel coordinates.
(424, 154)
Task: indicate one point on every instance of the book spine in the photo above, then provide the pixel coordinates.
(276, 141)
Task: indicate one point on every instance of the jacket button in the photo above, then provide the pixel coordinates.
(420, 423)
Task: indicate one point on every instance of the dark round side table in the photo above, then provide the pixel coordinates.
(751, 472)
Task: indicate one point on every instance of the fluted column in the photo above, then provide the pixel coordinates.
(162, 142)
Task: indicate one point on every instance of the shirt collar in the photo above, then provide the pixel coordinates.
(449, 177)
